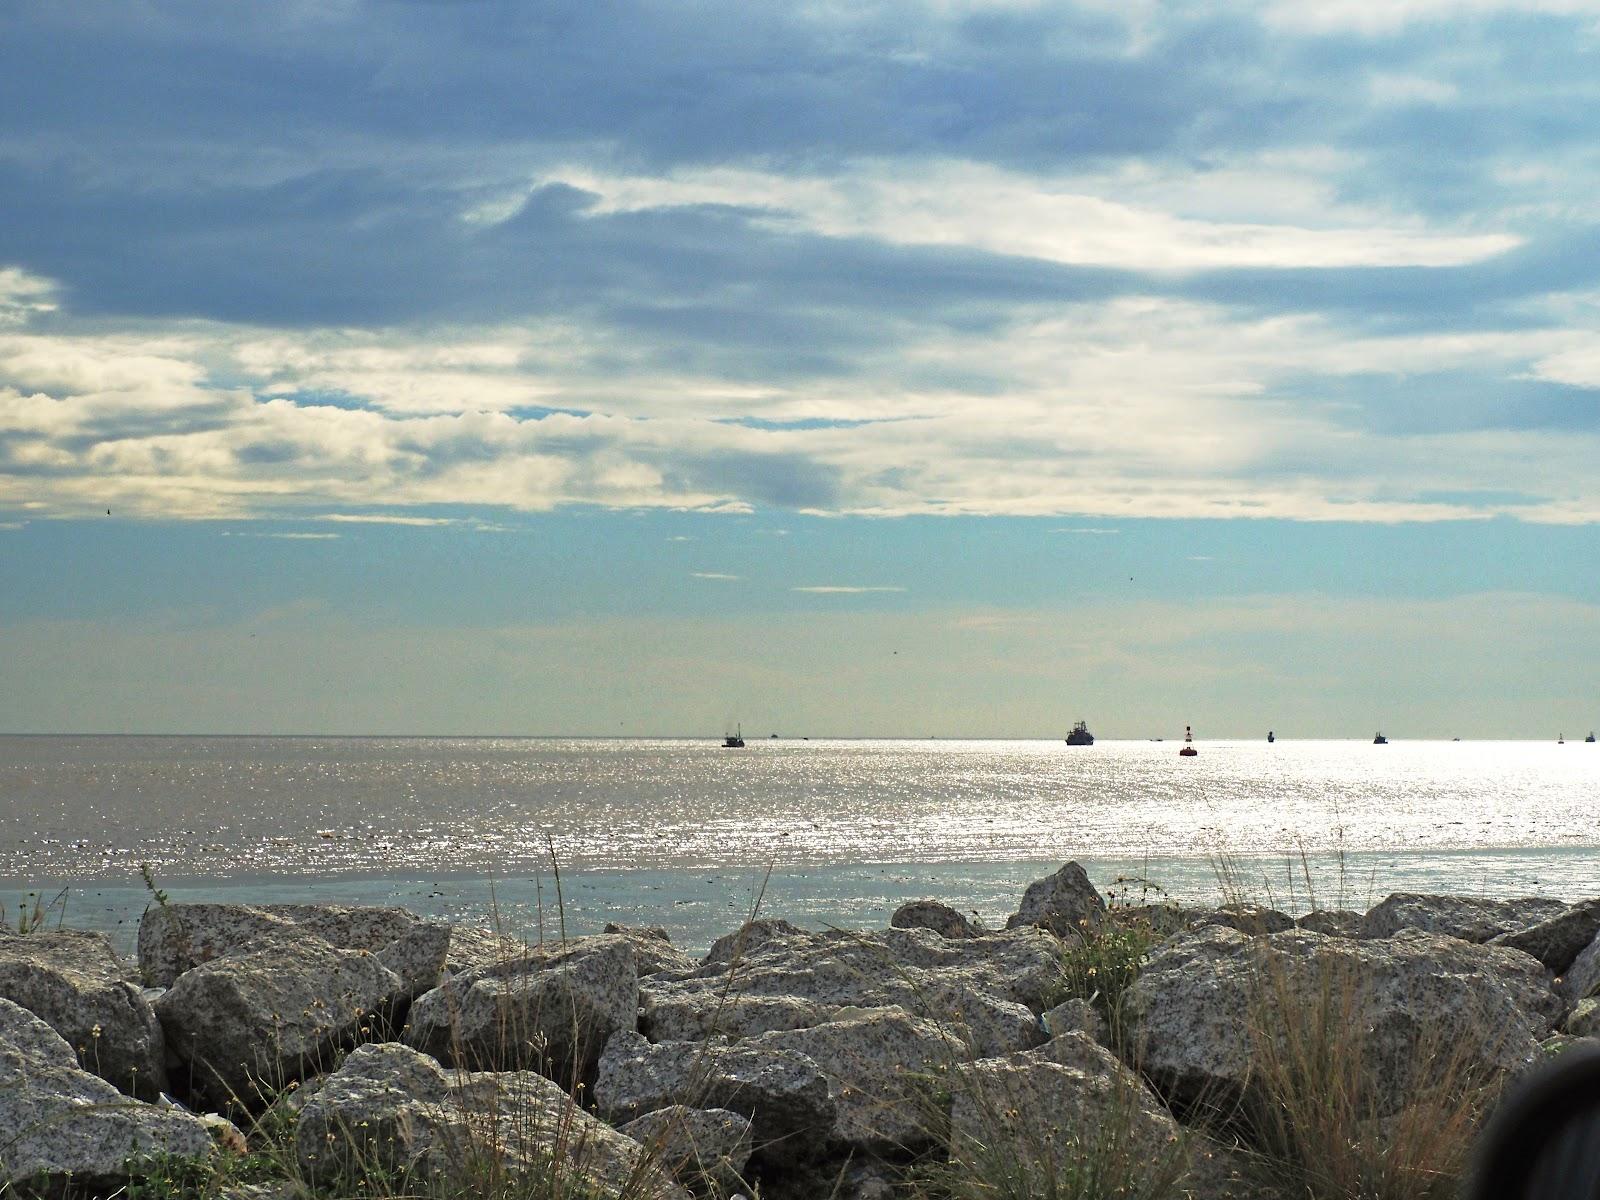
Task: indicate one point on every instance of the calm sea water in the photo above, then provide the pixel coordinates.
(684, 833)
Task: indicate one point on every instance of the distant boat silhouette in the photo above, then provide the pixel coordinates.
(734, 740)
(1561, 739)
(1188, 750)
(1080, 735)
(1590, 738)
(1379, 740)
(1271, 737)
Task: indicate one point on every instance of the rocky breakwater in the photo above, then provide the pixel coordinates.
(1141, 1045)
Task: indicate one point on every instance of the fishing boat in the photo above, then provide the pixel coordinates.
(734, 740)
(1080, 735)
(1188, 750)
(1590, 738)
(1379, 740)
(1271, 737)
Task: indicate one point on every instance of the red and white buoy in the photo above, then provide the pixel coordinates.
(1188, 750)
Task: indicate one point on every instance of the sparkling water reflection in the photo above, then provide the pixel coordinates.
(231, 808)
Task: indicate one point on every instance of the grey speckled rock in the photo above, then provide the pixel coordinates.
(1254, 919)
(751, 937)
(696, 1013)
(1470, 918)
(1065, 903)
(1557, 941)
(394, 1109)
(705, 1149)
(784, 1094)
(1042, 1111)
(1583, 1021)
(937, 916)
(246, 1024)
(173, 938)
(473, 948)
(653, 950)
(79, 986)
(878, 1064)
(1333, 922)
(1414, 995)
(981, 988)
(417, 956)
(552, 1010)
(1076, 1016)
(57, 1120)
(1582, 978)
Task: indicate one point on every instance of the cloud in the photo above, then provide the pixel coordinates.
(1084, 259)
(391, 519)
(975, 206)
(1138, 407)
(291, 537)
(23, 296)
(715, 575)
(838, 589)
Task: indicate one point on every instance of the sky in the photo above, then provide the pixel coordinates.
(957, 367)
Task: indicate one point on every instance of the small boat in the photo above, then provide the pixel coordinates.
(1590, 738)
(735, 740)
(1271, 737)
(1379, 740)
(1080, 735)
(1561, 739)
(1188, 750)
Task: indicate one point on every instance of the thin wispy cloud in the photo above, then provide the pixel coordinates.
(716, 575)
(392, 519)
(829, 589)
(286, 537)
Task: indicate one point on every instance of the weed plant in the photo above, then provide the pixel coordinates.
(1337, 1114)
(33, 913)
(1101, 964)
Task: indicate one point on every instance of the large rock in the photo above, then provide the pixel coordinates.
(552, 1009)
(390, 1112)
(1584, 1020)
(705, 1149)
(79, 986)
(418, 956)
(653, 950)
(1254, 919)
(1076, 1015)
(1206, 1002)
(1065, 903)
(937, 916)
(784, 1094)
(1060, 1112)
(1558, 940)
(174, 938)
(986, 990)
(59, 1122)
(697, 1013)
(751, 937)
(1582, 979)
(249, 1023)
(1333, 922)
(1470, 918)
(879, 1064)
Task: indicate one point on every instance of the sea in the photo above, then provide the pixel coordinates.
(549, 835)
